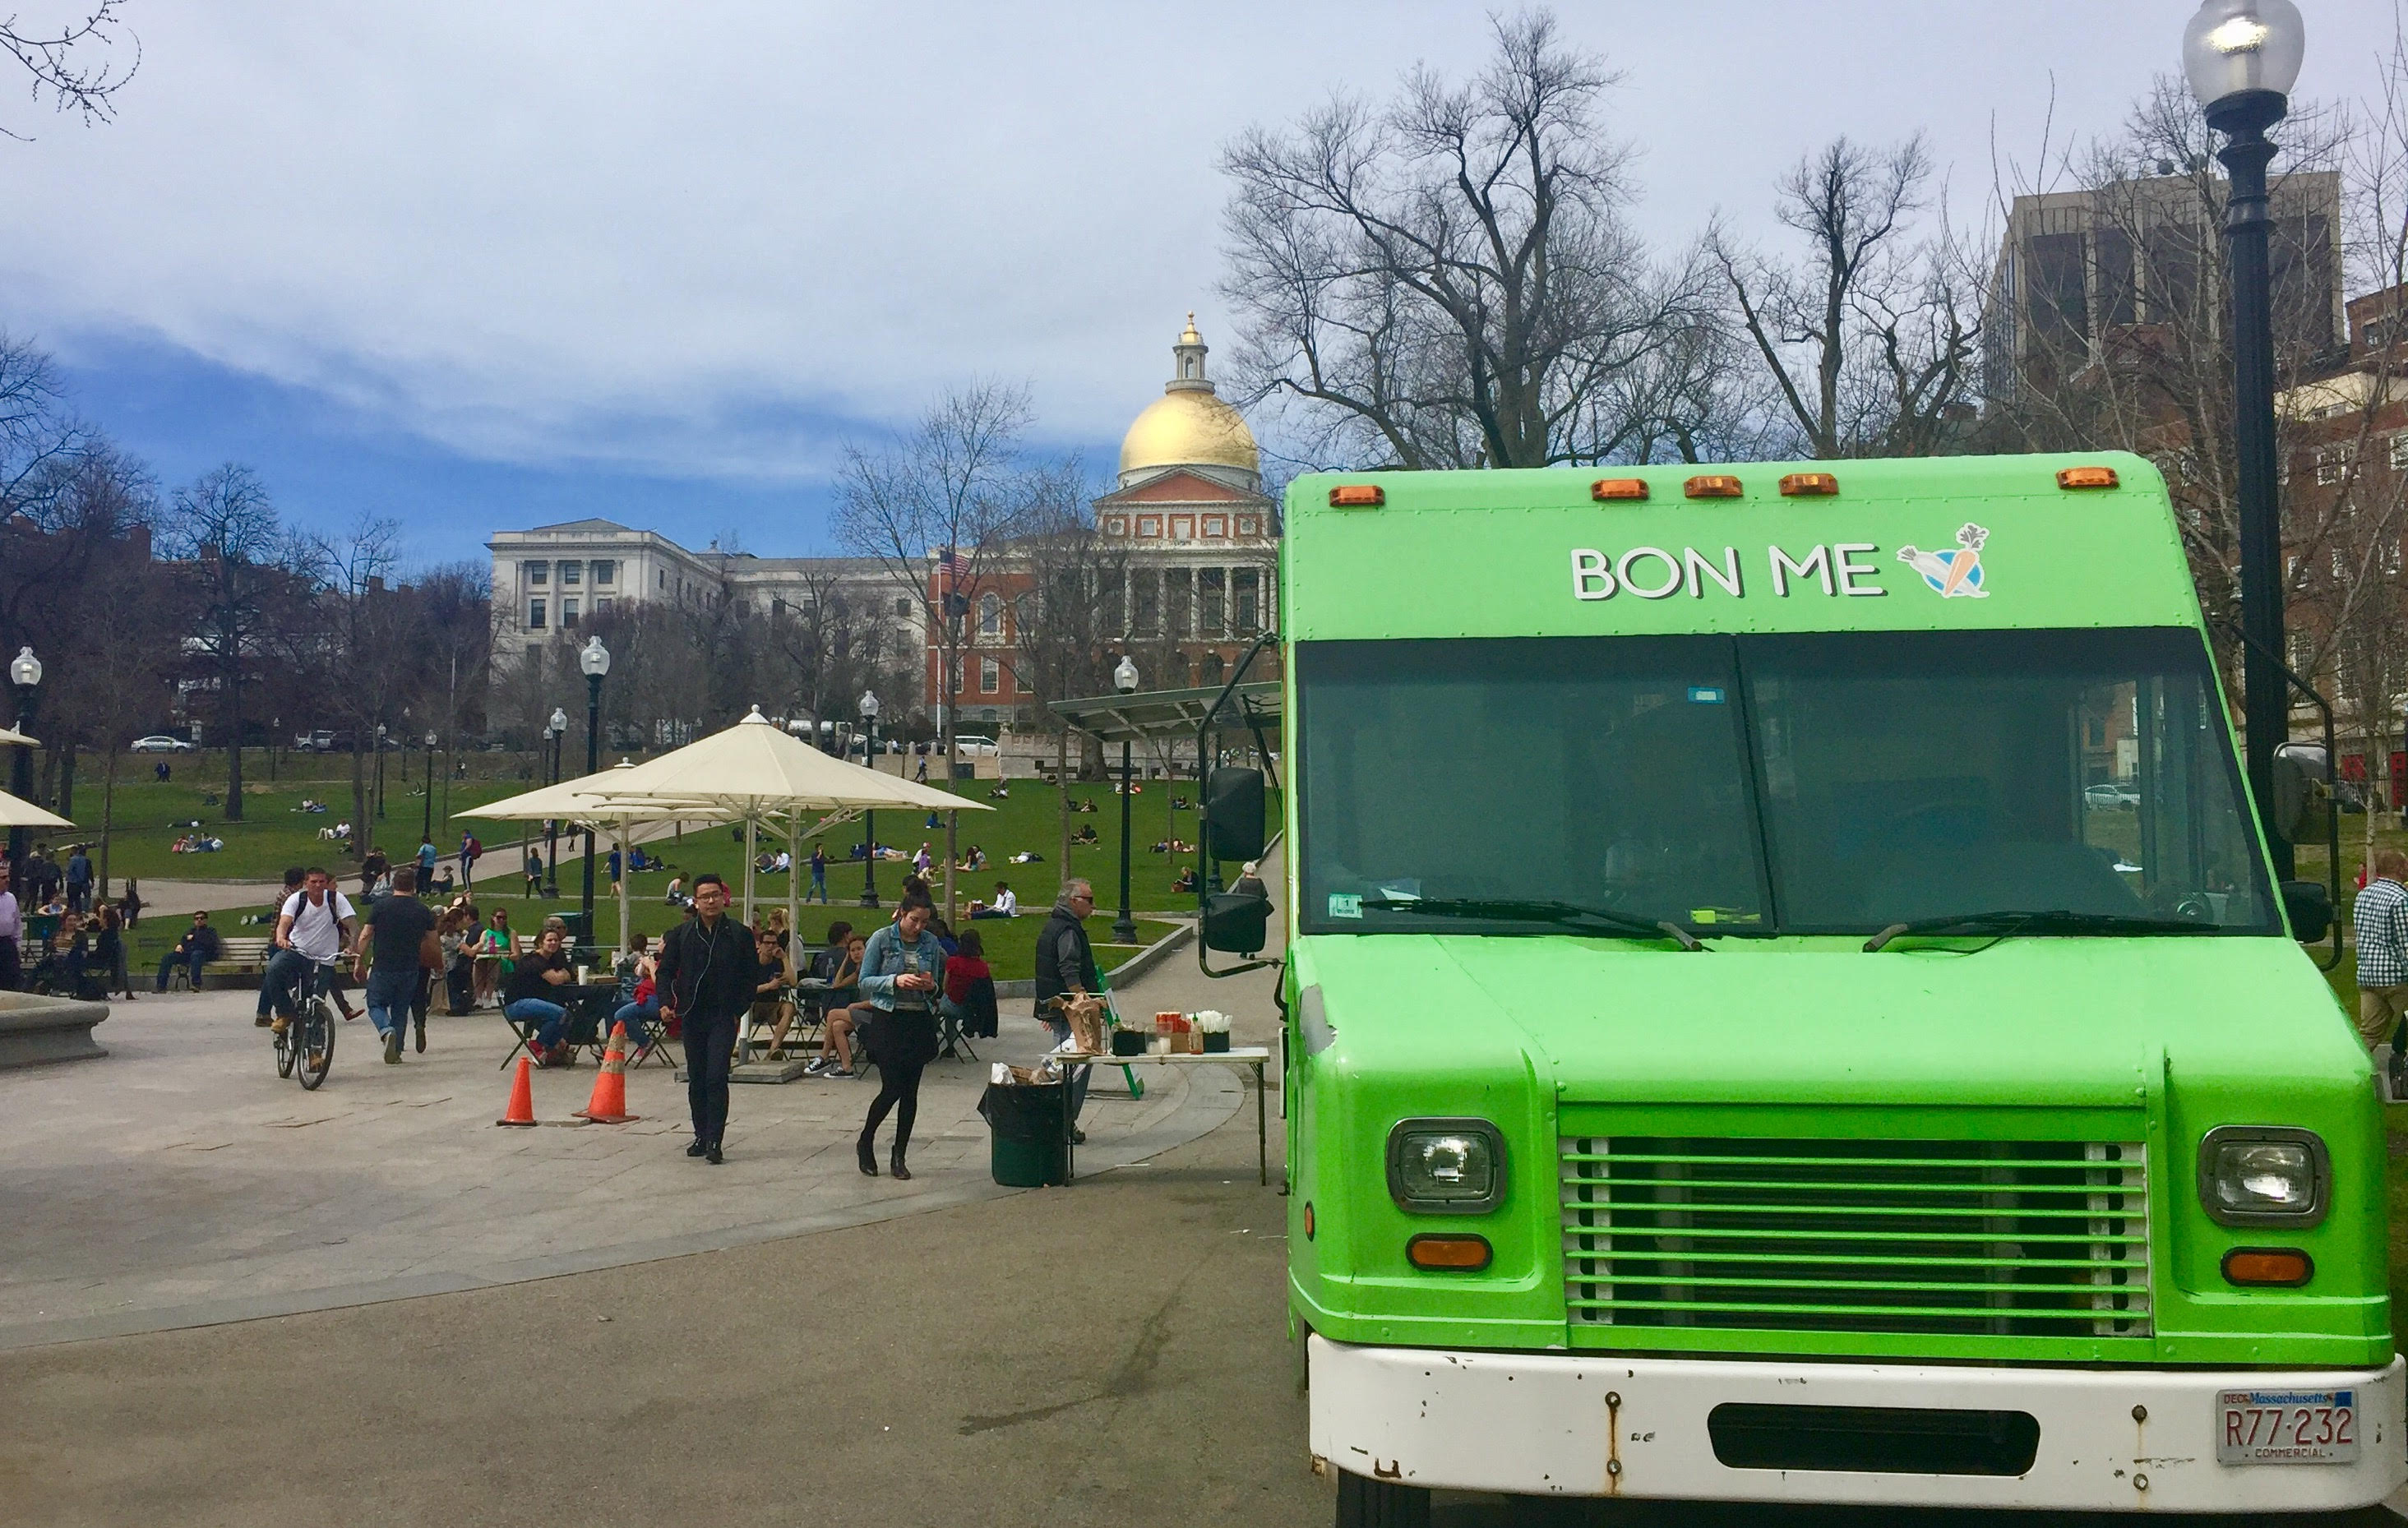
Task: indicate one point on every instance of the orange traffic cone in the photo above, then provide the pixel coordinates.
(609, 1105)
(521, 1096)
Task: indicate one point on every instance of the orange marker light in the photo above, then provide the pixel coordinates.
(1307, 1219)
(1357, 497)
(2282, 1267)
(1605, 488)
(1711, 485)
(1808, 485)
(2087, 477)
(1449, 1254)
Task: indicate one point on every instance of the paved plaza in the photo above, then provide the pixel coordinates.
(180, 1182)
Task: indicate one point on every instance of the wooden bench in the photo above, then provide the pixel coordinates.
(241, 960)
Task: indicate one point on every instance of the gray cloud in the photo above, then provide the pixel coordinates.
(706, 238)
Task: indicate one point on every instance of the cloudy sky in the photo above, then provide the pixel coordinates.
(478, 267)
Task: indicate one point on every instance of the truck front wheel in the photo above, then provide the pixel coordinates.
(1365, 1502)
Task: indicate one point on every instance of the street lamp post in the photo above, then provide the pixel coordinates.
(869, 820)
(25, 673)
(1125, 926)
(2242, 57)
(556, 731)
(380, 776)
(595, 661)
(426, 774)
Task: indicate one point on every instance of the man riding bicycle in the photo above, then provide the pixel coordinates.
(312, 929)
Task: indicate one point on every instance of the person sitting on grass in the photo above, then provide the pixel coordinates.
(1005, 904)
(528, 1008)
(845, 1014)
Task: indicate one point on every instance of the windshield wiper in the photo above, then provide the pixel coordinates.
(2055, 921)
(1565, 913)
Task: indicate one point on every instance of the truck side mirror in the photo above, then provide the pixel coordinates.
(2301, 798)
(1233, 816)
(2310, 908)
(1236, 923)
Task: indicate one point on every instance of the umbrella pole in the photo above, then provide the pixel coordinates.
(794, 876)
(752, 848)
(625, 875)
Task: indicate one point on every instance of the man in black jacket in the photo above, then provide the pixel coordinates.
(1066, 968)
(705, 978)
(197, 948)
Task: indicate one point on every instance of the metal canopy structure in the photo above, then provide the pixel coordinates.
(1160, 716)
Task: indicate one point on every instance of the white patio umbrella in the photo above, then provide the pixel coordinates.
(10, 736)
(17, 812)
(755, 774)
(578, 800)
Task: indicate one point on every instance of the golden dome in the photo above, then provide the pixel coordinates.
(1188, 428)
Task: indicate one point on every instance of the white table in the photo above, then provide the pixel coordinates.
(1255, 1056)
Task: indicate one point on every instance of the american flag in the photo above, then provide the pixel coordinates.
(951, 563)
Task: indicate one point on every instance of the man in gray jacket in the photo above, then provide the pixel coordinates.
(1066, 968)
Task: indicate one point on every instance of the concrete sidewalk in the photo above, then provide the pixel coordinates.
(180, 1183)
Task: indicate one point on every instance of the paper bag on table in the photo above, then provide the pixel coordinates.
(1086, 1016)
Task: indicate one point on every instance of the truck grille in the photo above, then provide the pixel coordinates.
(2044, 1238)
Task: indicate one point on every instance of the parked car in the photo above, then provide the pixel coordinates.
(314, 742)
(971, 745)
(2111, 794)
(160, 742)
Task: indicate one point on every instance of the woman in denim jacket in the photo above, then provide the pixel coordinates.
(901, 970)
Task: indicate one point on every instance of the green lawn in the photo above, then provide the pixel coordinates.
(275, 834)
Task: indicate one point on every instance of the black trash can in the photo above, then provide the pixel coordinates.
(1026, 1122)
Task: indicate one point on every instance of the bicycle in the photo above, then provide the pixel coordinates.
(305, 1045)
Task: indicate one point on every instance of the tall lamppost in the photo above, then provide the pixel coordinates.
(869, 820)
(558, 730)
(380, 776)
(426, 774)
(594, 660)
(2242, 57)
(1125, 926)
(25, 673)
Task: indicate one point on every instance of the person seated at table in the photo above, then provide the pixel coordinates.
(965, 1002)
(639, 1004)
(1005, 904)
(773, 1000)
(496, 944)
(845, 1018)
(528, 1008)
(454, 932)
(199, 946)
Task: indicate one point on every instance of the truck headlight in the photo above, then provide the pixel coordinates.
(2264, 1175)
(1446, 1166)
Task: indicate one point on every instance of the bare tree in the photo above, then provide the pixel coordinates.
(1870, 339)
(242, 571)
(1070, 616)
(73, 63)
(2136, 355)
(936, 509)
(1448, 281)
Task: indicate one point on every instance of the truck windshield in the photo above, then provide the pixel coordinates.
(1824, 783)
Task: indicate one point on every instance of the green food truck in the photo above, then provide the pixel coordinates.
(1787, 1000)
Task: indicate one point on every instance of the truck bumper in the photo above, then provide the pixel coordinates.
(1602, 1425)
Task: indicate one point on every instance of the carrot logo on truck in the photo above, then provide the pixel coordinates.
(1956, 573)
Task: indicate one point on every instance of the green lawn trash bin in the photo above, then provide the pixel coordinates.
(1025, 1120)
